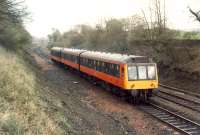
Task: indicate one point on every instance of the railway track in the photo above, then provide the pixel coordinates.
(180, 90)
(190, 101)
(191, 104)
(172, 119)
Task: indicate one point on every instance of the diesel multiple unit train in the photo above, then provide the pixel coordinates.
(135, 75)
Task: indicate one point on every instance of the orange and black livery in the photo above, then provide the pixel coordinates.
(135, 75)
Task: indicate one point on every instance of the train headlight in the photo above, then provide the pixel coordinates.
(151, 72)
(132, 73)
(142, 72)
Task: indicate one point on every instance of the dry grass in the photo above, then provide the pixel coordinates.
(22, 111)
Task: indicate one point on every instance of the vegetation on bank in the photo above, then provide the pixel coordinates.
(13, 35)
(23, 107)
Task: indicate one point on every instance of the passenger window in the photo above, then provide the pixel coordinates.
(118, 71)
(100, 66)
(107, 66)
(103, 67)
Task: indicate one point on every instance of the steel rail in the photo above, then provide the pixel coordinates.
(193, 105)
(174, 120)
(180, 90)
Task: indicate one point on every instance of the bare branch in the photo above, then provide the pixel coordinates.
(196, 14)
(12, 10)
(148, 26)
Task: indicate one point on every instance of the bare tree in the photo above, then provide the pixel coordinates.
(160, 17)
(196, 14)
(12, 11)
(156, 21)
(148, 26)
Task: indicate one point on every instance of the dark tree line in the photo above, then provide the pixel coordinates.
(12, 32)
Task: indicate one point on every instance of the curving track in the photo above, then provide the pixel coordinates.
(180, 90)
(174, 120)
(181, 97)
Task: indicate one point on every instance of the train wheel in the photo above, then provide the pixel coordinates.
(107, 87)
(103, 85)
(149, 94)
(117, 91)
(122, 93)
(145, 94)
(66, 67)
(135, 96)
(92, 80)
(134, 100)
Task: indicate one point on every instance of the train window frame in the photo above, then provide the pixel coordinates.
(111, 69)
(136, 67)
(146, 65)
(100, 66)
(155, 70)
(118, 70)
(94, 64)
(107, 67)
(85, 62)
(88, 60)
(97, 65)
(76, 59)
(73, 58)
(91, 63)
(141, 74)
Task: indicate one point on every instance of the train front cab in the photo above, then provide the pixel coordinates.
(140, 79)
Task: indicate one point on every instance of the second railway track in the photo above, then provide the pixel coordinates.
(188, 103)
(174, 120)
(180, 90)
(180, 97)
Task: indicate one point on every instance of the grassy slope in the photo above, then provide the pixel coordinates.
(23, 109)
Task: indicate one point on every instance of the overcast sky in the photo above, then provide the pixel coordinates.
(64, 14)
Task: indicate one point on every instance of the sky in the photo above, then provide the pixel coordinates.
(64, 14)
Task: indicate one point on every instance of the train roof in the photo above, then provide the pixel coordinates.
(73, 51)
(55, 48)
(104, 56)
(115, 57)
(69, 50)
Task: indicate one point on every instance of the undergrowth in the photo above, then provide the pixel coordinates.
(22, 108)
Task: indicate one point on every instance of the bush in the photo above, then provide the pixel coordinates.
(14, 37)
